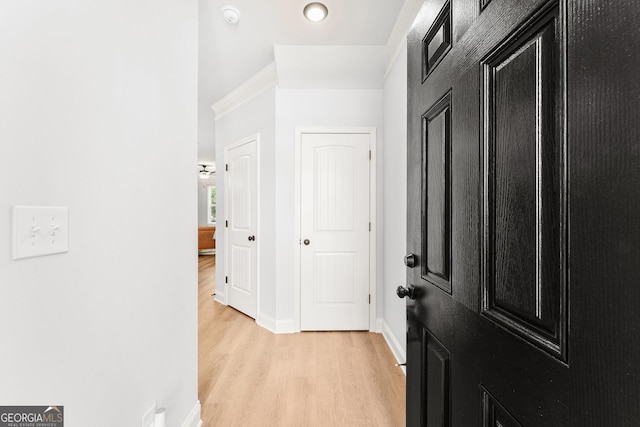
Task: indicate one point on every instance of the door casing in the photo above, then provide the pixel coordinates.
(371, 131)
(224, 299)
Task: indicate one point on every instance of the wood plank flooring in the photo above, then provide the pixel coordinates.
(251, 377)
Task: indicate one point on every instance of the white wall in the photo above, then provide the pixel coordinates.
(95, 96)
(395, 200)
(257, 116)
(207, 13)
(309, 108)
(206, 135)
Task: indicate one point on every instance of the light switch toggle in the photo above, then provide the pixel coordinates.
(40, 230)
(35, 230)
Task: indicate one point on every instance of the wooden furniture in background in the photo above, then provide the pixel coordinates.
(205, 237)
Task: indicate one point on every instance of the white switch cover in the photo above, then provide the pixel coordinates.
(147, 418)
(39, 231)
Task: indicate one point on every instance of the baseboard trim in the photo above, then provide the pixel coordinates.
(193, 420)
(220, 297)
(394, 345)
(267, 322)
(379, 323)
(286, 326)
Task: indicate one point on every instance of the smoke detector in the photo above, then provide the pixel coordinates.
(230, 14)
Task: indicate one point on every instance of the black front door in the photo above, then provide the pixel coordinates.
(524, 214)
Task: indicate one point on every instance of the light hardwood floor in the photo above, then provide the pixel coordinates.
(251, 377)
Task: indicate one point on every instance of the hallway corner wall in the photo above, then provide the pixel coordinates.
(99, 114)
(395, 202)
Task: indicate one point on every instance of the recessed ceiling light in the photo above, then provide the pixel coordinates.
(315, 12)
(230, 14)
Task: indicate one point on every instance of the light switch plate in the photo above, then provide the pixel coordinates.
(147, 418)
(39, 230)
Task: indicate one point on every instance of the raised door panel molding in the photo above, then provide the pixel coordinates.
(241, 198)
(437, 41)
(436, 211)
(241, 268)
(335, 277)
(336, 169)
(525, 222)
(494, 414)
(437, 382)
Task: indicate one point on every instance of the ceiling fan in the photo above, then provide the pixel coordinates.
(205, 172)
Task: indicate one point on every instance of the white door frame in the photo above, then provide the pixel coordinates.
(371, 131)
(227, 251)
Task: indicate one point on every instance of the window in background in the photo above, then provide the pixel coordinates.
(211, 204)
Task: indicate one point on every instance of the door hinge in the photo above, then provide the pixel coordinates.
(226, 223)
(226, 167)
(369, 226)
(226, 279)
(369, 154)
(369, 298)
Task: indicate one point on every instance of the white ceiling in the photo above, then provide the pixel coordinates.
(231, 54)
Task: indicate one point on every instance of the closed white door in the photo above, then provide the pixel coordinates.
(334, 227)
(242, 218)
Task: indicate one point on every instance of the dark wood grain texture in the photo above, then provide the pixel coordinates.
(437, 41)
(604, 213)
(465, 194)
(438, 382)
(437, 193)
(465, 12)
(524, 187)
(494, 414)
(541, 325)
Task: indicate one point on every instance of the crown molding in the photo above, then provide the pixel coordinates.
(398, 37)
(263, 80)
(268, 76)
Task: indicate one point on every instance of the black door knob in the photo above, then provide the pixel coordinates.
(409, 291)
(410, 260)
(306, 242)
(252, 238)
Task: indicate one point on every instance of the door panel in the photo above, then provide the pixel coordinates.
(494, 414)
(241, 203)
(242, 225)
(336, 278)
(524, 188)
(437, 41)
(336, 188)
(438, 382)
(523, 214)
(437, 192)
(335, 232)
(241, 270)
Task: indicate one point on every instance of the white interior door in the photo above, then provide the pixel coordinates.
(242, 219)
(334, 226)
